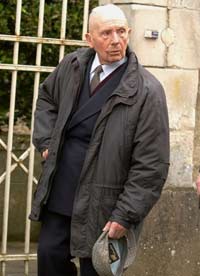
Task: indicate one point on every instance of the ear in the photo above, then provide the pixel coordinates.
(129, 32)
(89, 39)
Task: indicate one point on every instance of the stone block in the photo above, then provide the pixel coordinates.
(104, 2)
(190, 4)
(181, 159)
(148, 2)
(181, 88)
(150, 52)
(184, 52)
(170, 241)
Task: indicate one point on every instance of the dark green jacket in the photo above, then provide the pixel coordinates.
(127, 161)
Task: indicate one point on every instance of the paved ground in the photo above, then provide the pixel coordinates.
(17, 268)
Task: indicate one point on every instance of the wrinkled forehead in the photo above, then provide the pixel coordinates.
(114, 22)
(109, 17)
(105, 22)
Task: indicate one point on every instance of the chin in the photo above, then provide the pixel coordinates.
(112, 59)
(117, 58)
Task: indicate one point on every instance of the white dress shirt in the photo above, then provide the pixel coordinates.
(107, 68)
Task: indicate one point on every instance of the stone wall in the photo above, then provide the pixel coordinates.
(170, 242)
(174, 57)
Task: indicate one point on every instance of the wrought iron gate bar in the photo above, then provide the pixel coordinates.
(10, 137)
(63, 28)
(43, 40)
(12, 161)
(30, 68)
(85, 19)
(18, 257)
(32, 151)
(18, 162)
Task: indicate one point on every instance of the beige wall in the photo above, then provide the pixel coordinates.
(170, 241)
(174, 57)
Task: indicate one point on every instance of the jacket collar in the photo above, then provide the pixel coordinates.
(129, 82)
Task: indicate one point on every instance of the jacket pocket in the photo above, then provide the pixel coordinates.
(107, 203)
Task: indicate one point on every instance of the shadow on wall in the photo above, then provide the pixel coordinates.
(196, 156)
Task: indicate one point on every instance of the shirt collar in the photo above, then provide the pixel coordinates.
(107, 68)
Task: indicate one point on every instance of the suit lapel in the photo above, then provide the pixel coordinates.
(92, 105)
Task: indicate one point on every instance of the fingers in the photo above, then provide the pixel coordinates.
(107, 226)
(198, 185)
(116, 230)
(45, 154)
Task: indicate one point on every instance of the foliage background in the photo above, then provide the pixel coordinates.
(27, 51)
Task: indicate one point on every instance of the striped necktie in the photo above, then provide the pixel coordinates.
(96, 78)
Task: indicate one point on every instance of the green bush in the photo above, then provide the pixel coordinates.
(27, 51)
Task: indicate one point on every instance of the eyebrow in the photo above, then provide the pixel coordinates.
(110, 28)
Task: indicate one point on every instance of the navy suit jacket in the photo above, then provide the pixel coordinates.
(77, 137)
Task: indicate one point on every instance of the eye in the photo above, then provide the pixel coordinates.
(106, 33)
(121, 31)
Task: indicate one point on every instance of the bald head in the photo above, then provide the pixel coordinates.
(108, 33)
(106, 13)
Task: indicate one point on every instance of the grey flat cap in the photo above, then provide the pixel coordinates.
(112, 257)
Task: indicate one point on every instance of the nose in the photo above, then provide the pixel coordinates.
(115, 37)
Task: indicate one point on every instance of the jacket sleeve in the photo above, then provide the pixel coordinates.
(46, 111)
(149, 162)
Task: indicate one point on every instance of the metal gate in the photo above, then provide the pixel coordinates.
(12, 161)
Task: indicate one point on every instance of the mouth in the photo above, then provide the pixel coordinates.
(114, 52)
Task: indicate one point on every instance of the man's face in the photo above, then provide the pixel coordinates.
(109, 38)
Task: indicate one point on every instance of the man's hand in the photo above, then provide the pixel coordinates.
(115, 230)
(198, 184)
(45, 154)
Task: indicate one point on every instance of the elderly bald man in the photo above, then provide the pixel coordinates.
(101, 125)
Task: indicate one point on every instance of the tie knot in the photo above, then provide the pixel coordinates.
(98, 69)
